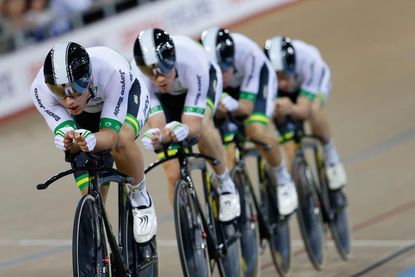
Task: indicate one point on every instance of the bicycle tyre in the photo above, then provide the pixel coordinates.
(338, 221)
(89, 245)
(309, 213)
(141, 258)
(231, 262)
(279, 230)
(248, 226)
(190, 233)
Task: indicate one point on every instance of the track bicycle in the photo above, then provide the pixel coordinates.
(260, 220)
(95, 249)
(205, 245)
(319, 206)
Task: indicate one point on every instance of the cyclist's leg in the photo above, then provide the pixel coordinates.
(289, 150)
(258, 127)
(129, 159)
(321, 128)
(172, 170)
(210, 144)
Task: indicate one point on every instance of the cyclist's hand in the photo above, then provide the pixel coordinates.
(284, 106)
(230, 103)
(85, 139)
(151, 138)
(62, 140)
(177, 131)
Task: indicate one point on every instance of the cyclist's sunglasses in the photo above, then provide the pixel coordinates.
(73, 89)
(153, 70)
(284, 74)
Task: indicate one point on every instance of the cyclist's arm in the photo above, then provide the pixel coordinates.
(245, 108)
(196, 80)
(302, 109)
(114, 110)
(106, 139)
(250, 85)
(195, 125)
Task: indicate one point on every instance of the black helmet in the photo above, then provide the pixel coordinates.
(218, 42)
(67, 70)
(281, 53)
(154, 51)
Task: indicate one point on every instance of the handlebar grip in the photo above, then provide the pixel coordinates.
(42, 186)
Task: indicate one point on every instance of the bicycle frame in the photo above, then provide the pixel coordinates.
(216, 250)
(95, 169)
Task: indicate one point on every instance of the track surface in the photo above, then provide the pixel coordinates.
(370, 48)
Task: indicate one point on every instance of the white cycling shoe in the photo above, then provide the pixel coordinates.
(287, 198)
(336, 176)
(229, 207)
(145, 223)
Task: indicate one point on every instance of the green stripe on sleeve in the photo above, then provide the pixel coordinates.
(67, 123)
(248, 96)
(156, 109)
(110, 124)
(194, 110)
(307, 94)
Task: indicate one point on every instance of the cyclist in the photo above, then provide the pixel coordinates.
(184, 89)
(92, 101)
(250, 89)
(304, 87)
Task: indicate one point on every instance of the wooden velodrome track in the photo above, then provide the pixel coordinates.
(370, 47)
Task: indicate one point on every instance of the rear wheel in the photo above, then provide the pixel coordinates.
(279, 230)
(248, 226)
(191, 237)
(309, 213)
(89, 246)
(338, 220)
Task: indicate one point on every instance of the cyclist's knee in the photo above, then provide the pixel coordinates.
(255, 131)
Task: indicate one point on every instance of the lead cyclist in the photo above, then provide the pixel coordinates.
(303, 90)
(92, 101)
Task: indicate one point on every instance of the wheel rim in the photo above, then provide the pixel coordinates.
(309, 215)
(90, 253)
(339, 227)
(280, 244)
(248, 226)
(190, 238)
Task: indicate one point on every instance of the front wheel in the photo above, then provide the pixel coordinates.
(339, 222)
(190, 233)
(89, 246)
(309, 214)
(248, 226)
(278, 227)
